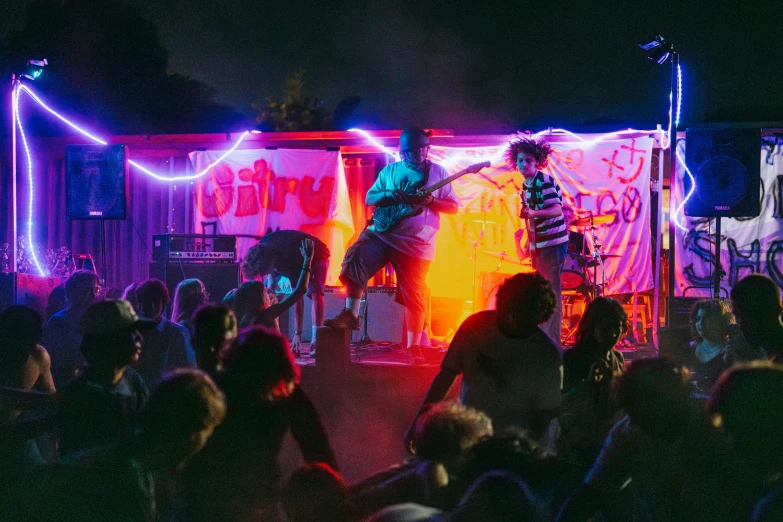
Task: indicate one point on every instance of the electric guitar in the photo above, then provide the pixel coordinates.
(531, 228)
(388, 217)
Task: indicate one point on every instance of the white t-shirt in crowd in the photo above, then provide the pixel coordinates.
(506, 378)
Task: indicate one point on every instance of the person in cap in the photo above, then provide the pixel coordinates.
(117, 481)
(102, 403)
(410, 246)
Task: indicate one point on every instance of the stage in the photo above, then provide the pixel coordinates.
(367, 408)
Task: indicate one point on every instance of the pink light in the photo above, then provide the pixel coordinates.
(192, 176)
(679, 95)
(137, 165)
(687, 197)
(18, 119)
(377, 144)
(63, 118)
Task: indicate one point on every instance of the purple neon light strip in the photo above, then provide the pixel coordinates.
(192, 176)
(18, 119)
(679, 96)
(137, 165)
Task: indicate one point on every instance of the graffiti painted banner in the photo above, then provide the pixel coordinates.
(748, 245)
(254, 191)
(609, 177)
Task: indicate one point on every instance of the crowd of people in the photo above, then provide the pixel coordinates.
(539, 432)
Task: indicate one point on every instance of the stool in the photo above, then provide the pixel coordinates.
(333, 352)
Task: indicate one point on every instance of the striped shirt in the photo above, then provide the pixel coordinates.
(541, 193)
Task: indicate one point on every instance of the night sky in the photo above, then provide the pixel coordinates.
(486, 65)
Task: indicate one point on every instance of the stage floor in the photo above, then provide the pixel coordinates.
(381, 354)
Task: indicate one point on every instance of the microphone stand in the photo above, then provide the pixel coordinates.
(365, 340)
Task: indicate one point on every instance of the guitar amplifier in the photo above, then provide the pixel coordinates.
(385, 321)
(194, 248)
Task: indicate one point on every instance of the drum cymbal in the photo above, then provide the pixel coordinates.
(592, 262)
(597, 219)
(503, 256)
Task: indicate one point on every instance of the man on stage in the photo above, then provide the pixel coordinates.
(278, 254)
(542, 208)
(410, 246)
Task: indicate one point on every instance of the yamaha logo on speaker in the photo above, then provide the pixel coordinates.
(722, 207)
(96, 213)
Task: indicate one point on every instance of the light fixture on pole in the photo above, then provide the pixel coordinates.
(660, 51)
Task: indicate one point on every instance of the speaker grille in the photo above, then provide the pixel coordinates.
(724, 181)
(96, 181)
(725, 164)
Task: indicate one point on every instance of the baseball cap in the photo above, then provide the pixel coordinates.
(107, 317)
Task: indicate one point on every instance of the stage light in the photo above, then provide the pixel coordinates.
(34, 69)
(658, 49)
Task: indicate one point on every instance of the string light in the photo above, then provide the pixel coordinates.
(18, 120)
(687, 197)
(145, 170)
(679, 95)
(375, 142)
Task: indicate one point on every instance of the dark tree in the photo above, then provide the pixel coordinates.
(299, 112)
(109, 67)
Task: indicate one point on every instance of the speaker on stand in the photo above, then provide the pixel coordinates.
(97, 187)
(725, 179)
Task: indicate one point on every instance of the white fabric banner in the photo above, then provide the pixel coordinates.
(257, 191)
(609, 177)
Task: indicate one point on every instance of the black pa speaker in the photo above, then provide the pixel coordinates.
(218, 278)
(725, 164)
(96, 181)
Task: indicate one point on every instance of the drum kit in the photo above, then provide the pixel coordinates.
(584, 275)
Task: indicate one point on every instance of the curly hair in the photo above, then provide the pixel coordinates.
(604, 312)
(524, 295)
(539, 149)
(448, 430)
(716, 308)
(257, 259)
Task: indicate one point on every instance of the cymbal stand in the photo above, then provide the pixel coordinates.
(598, 289)
(475, 266)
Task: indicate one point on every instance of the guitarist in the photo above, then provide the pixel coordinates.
(542, 207)
(410, 246)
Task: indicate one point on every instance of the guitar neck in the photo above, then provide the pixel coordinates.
(445, 181)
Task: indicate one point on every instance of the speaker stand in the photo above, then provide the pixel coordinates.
(719, 273)
(103, 253)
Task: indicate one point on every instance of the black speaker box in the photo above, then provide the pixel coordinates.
(96, 181)
(725, 164)
(218, 278)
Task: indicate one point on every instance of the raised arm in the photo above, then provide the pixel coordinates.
(276, 310)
